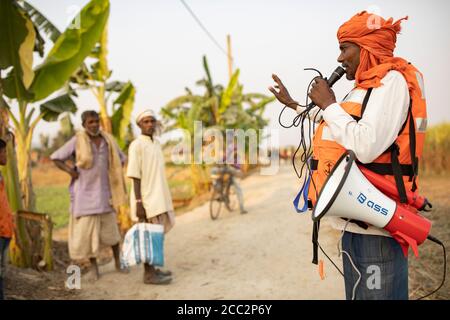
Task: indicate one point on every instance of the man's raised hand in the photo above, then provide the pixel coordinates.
(282, 94)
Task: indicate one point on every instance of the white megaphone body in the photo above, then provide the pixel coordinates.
(348, 193)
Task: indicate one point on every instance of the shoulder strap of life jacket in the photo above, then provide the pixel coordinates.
(412, 149)
(395, 168)
(364, 104)
(365, 101)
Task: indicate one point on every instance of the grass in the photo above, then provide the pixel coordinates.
(436, 150)
(55, 201)
(182, 189)
(426, 272)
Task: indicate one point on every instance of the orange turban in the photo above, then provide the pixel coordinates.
(376, 38)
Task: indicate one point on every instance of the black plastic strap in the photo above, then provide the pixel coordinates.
(364, 105)
(314, 164)
(315, 241)
(398, 174)
(412, 148)
(365, 101)
(385, 169)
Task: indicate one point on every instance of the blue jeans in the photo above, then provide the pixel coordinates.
(383, 267)
(4, 243)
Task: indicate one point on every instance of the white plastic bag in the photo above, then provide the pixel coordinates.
(144, 242)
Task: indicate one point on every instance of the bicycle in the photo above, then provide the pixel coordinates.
(223, 191)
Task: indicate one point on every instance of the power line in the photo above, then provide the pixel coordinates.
(204, 28)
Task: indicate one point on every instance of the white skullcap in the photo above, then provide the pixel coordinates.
(146, 113)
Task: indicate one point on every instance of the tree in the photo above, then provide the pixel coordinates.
(27, 85)
(116, 116)
(115, 98)
(220, 108)
(66, 131)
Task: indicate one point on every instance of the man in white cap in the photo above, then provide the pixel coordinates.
(150, 195)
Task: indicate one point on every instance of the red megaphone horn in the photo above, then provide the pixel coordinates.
(407, 226)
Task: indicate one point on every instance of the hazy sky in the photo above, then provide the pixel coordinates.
(159, 46)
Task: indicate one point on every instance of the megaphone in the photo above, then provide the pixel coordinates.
(348, 193)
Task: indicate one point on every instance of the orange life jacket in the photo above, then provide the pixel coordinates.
(6, 217)
(407, 148)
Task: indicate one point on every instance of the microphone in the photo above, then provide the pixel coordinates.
(335, 76)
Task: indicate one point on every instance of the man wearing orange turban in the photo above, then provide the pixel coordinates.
(383, 120)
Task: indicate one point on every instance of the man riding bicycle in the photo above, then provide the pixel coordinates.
(231, 167)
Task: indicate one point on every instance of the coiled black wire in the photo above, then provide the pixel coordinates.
(306, 145)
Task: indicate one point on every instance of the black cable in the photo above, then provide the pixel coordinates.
(431, 238)
(331, 260)
(306, 145)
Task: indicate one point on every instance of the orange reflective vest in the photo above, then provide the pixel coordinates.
(399, 163)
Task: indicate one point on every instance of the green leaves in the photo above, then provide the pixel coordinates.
(41, 22)
(208, 81)
(217, 107)
(122, 115)
(54, 107)
(227, 95)
(115, 86)
(17, 38)
(101, 68)
(70, 49)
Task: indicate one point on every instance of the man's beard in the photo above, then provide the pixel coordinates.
(93, 134)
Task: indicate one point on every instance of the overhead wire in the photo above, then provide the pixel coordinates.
(203, 27)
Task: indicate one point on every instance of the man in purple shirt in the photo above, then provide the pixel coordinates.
(231, 158)
(94, 186)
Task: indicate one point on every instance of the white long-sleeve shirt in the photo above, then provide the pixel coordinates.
(385, 113)
(381, 122)
(380, 125)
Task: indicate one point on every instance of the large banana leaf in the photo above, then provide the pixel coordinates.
(41, 22)
(121, 117)
(208, 83)
(194, 114)
(17, 39)
(100, 71)
(70, 49)
(66, 125)
(101, 67)
(51, 109)
(227, 95)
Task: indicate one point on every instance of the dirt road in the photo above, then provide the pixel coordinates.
(265, 254)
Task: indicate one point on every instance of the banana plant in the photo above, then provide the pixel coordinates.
(115, 115)
(29, 86)
(219, 107)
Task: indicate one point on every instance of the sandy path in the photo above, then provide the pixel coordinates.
(265, 254)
